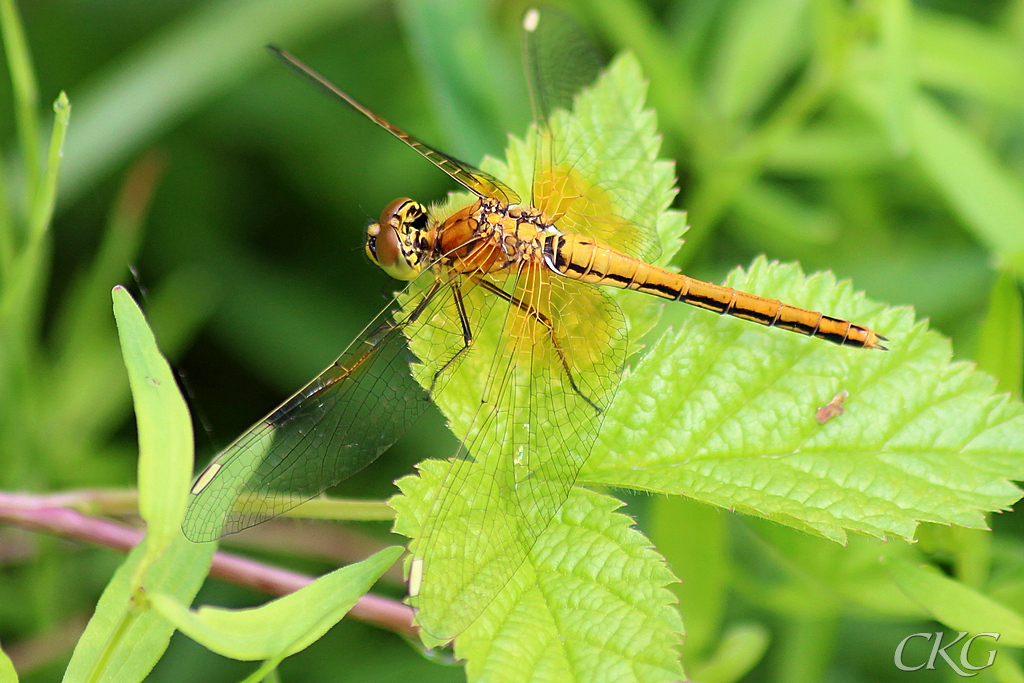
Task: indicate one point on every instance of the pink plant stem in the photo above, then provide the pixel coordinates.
(47, 514)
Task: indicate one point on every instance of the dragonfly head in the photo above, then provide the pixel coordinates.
(395, 242)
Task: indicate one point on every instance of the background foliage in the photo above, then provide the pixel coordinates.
(882, 140)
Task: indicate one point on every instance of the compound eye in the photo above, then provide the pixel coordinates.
(382, 245)
(394, 213)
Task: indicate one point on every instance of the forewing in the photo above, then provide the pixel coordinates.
(333, 427)
(532, 419)
(470, 177)
(559, 60)
(585, 169)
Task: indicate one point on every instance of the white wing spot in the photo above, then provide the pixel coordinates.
(205, 478)
(415, 576)
(531, 20)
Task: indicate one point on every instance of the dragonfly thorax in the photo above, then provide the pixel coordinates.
(396, 243)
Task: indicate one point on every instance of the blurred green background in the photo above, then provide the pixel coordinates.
(881, 139)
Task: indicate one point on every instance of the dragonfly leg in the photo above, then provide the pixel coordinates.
(467, 333)
(543, 320)
(422, 305)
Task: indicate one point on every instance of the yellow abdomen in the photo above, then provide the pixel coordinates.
(587, 260)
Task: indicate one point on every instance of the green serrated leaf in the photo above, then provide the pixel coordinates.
(165, 427)
(611, 142)
(724, 412)
(589, 603)
(957, 606)
(616, 145)
(282, 627)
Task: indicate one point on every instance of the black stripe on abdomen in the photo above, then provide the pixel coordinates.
(705, 302)
(754, 316)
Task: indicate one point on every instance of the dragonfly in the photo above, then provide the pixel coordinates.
(516, 290)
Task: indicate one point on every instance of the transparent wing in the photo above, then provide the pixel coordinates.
(559, 60)
(554, 361)
(470, 177)
(585, 175)
(334, 426)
